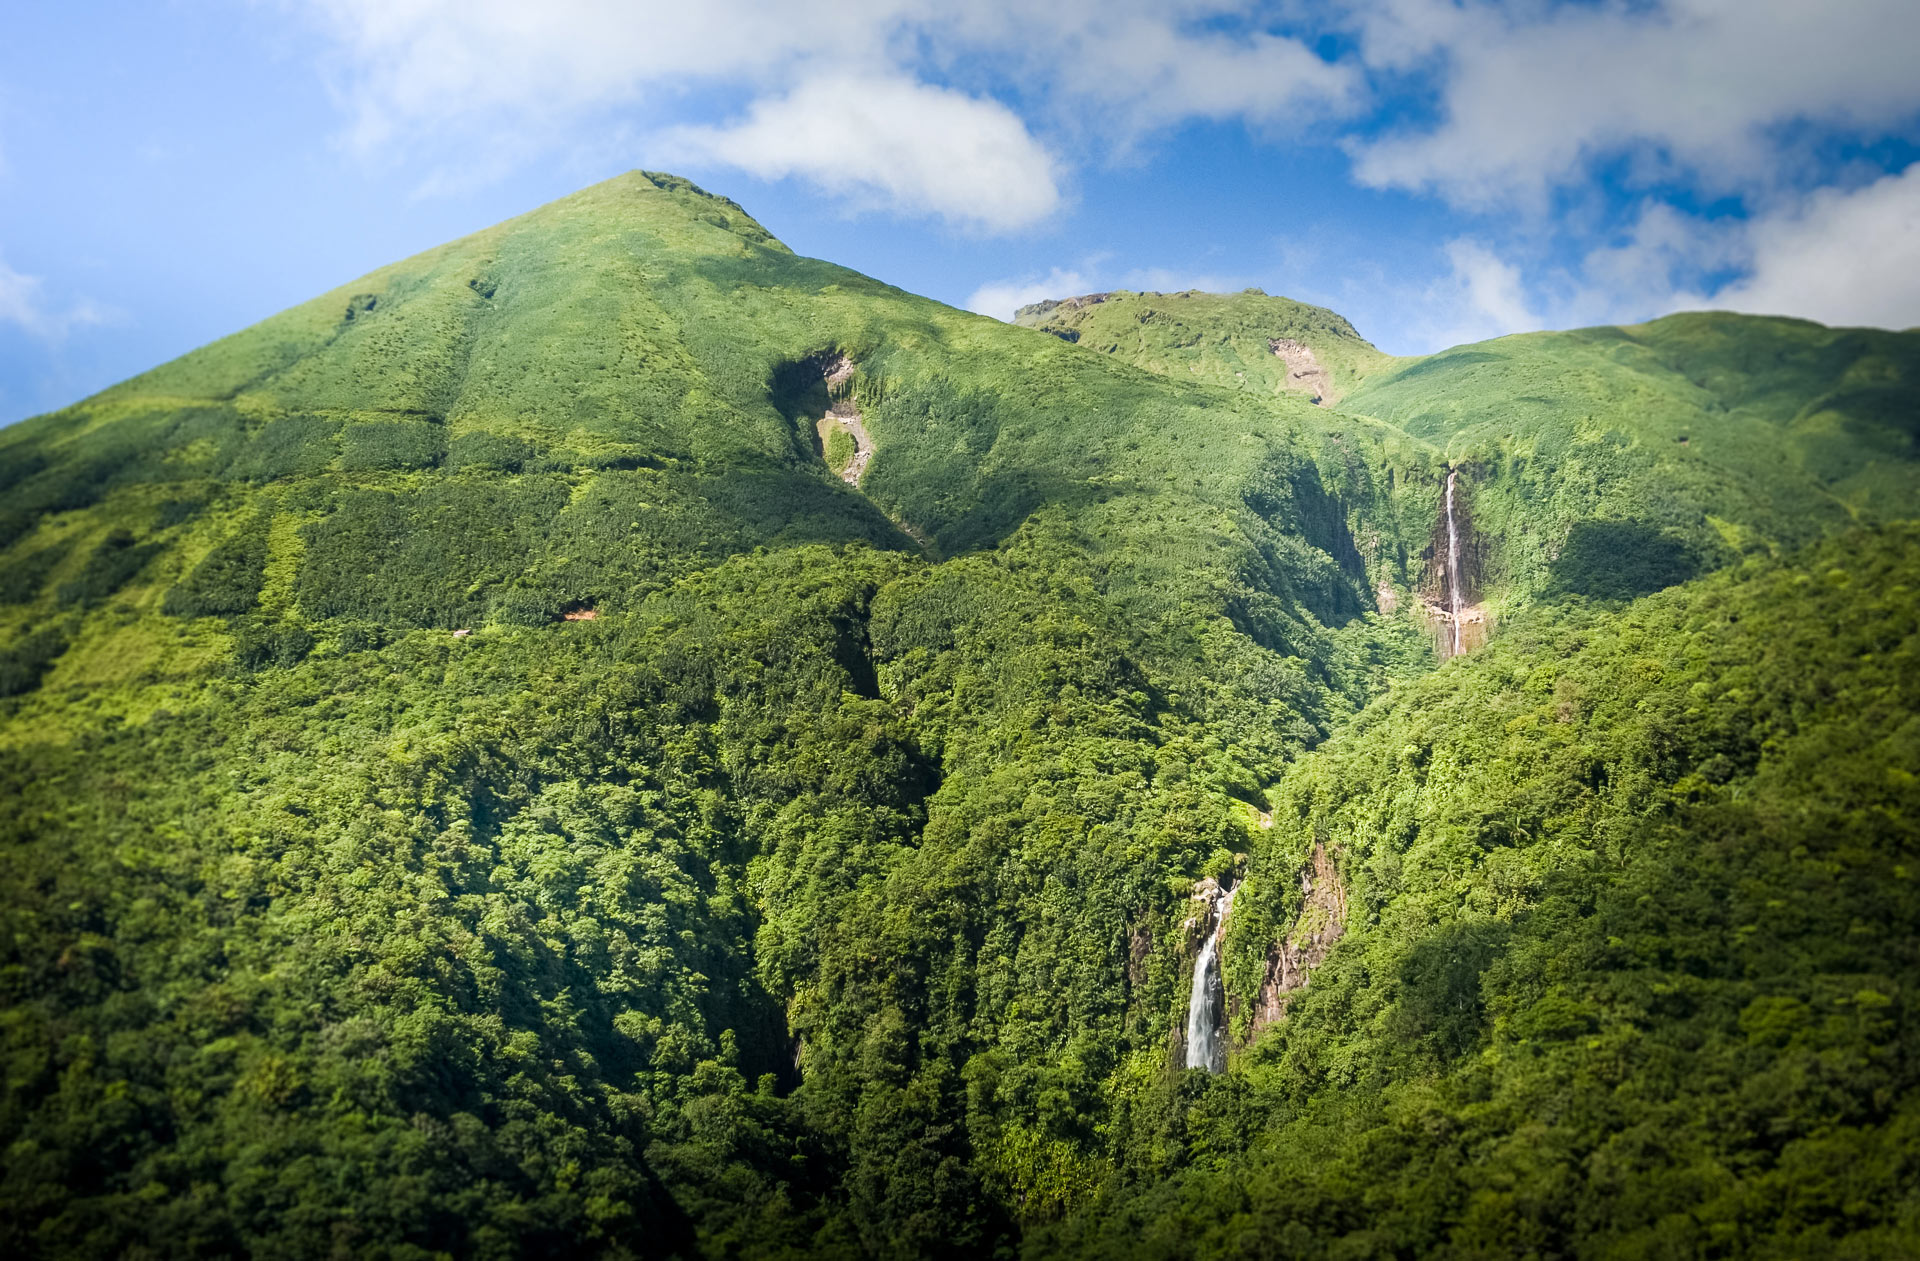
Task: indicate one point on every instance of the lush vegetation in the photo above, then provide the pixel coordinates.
(482, 785)
(1633, 922)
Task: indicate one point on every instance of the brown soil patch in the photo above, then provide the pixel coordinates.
(1304, 372)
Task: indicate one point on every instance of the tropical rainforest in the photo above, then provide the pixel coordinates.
(609, 738)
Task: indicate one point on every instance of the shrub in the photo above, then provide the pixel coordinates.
(21, 580)
(392, 444)
(23, 665)
(287, 447)
(261, 645)
(111, 566)
(228, 581)
(489, 451)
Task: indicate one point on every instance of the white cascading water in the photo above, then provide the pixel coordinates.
(1453, 563)
(1204, 1049)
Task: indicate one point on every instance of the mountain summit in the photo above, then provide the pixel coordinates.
(609, 737)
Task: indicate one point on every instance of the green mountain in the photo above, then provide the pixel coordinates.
(608, 737)
(1683, 443)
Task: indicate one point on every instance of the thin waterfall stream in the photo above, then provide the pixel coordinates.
(1453, 563)
(1205, 1008)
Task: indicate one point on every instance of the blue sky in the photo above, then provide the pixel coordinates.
(1437, 170)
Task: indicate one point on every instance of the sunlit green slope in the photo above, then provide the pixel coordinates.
(1247, 340)
(1724, 432)
(582, 404)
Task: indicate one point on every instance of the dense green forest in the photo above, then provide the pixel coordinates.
(484, 783)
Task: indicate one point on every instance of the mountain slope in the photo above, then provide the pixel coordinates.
(1247, 340)
(491, 774)
(371, 886)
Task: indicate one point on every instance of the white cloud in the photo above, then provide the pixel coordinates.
(1482, 295)
(506, 75)
(421, 62)
(1530, 94)
(1001, 298)
(979, 113)
(890, 142)
(1842, 257)
(1137, 65)
(23, 303)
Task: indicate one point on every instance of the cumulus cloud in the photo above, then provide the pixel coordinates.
(925, 81)
(1528, 94)
(1482, 295)
(891, 142)
(1841, 257)
(23, 303)
(1137, 65)
(1156, 61)
(1001, 298)
(1844, 257)
(979, 114)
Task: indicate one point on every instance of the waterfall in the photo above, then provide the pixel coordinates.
(1204, 1008)
(1453, 563)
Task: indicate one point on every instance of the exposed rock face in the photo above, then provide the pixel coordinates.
(1304, 372)
(844, 415)
(1321, 922)
(1139, 949)
(1039, 309)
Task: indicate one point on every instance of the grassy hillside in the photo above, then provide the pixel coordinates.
(482, 783)
(1240, 340)
(1719, 433)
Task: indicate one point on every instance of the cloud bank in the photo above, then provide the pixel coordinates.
(1590, 132)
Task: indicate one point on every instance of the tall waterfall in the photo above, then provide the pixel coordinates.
(1453, 563)
(1205, 1009)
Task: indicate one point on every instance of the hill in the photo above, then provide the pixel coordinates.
(1679, 445)
(1247, 340)
(610, 737)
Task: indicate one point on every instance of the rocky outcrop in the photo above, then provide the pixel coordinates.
(1039, 310)
(1322, 922)
(843, 416)
(1304, 372)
